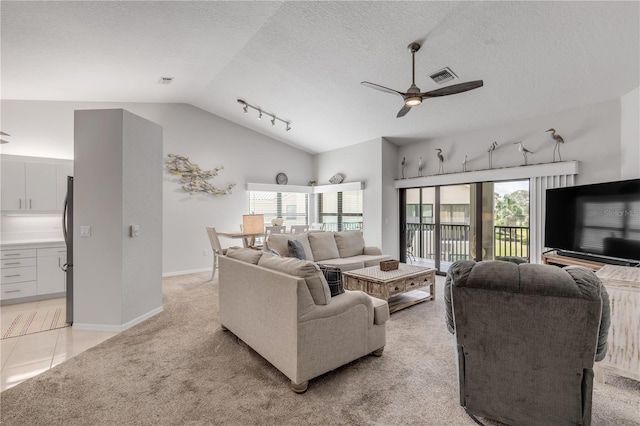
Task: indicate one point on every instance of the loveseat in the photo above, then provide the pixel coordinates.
(345, 250)
(284, 310)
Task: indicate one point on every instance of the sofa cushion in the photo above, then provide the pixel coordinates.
(280, 243)
(316, 283)
(348, 264)
(244, 254)
(323, 246)
(296, 250)
(334, 279)
(350, 243)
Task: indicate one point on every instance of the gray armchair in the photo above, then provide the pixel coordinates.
(527, 337)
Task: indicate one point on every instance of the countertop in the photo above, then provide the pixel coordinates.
(31, 243)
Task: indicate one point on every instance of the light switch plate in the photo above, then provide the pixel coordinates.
(85, 230)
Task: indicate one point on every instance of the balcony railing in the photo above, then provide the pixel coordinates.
(346, 226)
(509, 241)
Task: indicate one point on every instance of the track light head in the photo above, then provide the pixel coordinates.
(259, 114)
(288, 127)
(273, 120)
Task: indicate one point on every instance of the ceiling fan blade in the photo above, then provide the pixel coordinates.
(403, 111)
(453, 89)
(4, 134)
(381, 88)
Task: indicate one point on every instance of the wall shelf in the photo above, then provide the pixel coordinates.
(318, 189)
(488, 175)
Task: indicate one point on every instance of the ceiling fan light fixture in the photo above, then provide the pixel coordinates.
(413, 101)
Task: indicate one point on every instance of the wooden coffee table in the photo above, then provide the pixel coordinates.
(401, 288)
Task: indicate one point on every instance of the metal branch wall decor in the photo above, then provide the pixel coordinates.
(193, 178)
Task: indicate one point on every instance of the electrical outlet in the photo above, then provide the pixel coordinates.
(85, 230)
(135, 230)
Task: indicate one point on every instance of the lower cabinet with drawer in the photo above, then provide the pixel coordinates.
(25, 273)
(18, 274)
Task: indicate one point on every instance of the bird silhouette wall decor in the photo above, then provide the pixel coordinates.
(556, 137)
(524, 151)
(492, 148)
(440, 160)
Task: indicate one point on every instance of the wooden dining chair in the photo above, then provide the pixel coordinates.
(274, 230)
(216, 247)
(298, 229)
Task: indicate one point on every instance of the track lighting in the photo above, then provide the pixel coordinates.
(246, 106)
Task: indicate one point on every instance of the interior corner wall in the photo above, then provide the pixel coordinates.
(591, 134)
(358, 163)
(208, 140)
(117, 182)
(630, 135)
(390, 200)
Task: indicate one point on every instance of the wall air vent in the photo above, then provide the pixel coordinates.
(443, 76)
(165, 80)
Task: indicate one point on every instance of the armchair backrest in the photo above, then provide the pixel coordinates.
(527, 337)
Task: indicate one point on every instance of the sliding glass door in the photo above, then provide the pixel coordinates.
(444, 224)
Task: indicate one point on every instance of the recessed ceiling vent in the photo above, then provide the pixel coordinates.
(443, 76)
(165, 80)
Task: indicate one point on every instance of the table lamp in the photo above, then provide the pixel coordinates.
(253, 224)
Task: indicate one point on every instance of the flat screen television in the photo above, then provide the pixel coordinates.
(600, 221)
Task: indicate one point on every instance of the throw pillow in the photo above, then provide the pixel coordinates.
(296, 249)
(333, 276)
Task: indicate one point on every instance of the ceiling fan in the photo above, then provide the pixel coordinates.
(413, 97)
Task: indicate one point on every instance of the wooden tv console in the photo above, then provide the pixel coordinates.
(552, 258)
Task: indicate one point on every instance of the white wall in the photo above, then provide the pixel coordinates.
(363, 162)
(390, 200)
(591, 134)
(630, 135)
(206, 139)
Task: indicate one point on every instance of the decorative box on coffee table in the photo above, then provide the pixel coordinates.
(401, 288)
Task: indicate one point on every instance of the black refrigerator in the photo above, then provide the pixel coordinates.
(67, 230)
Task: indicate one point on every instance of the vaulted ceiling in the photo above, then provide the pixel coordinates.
(304, 61)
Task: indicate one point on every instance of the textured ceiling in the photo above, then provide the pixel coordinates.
(304, 61)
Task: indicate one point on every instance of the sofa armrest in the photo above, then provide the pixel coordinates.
(372, 251)
(340, 304)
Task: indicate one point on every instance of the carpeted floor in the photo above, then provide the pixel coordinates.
(41, 319)
(179, 368)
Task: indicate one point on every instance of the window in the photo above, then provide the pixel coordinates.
(293, 208)
(340, 211)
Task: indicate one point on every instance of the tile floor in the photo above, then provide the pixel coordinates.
(26, 356)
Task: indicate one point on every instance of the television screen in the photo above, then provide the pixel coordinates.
(601, 219)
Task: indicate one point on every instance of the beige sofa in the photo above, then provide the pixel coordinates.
(283, 309)
(345, 250)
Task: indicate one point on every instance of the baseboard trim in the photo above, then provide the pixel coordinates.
(189, 271)
(116, 328)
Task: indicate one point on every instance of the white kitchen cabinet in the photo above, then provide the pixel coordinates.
(51, 277)
(13, 182)
(62, 171)
(28, 186)
(17, 273)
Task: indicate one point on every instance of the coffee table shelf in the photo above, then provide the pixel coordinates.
(401, 288)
